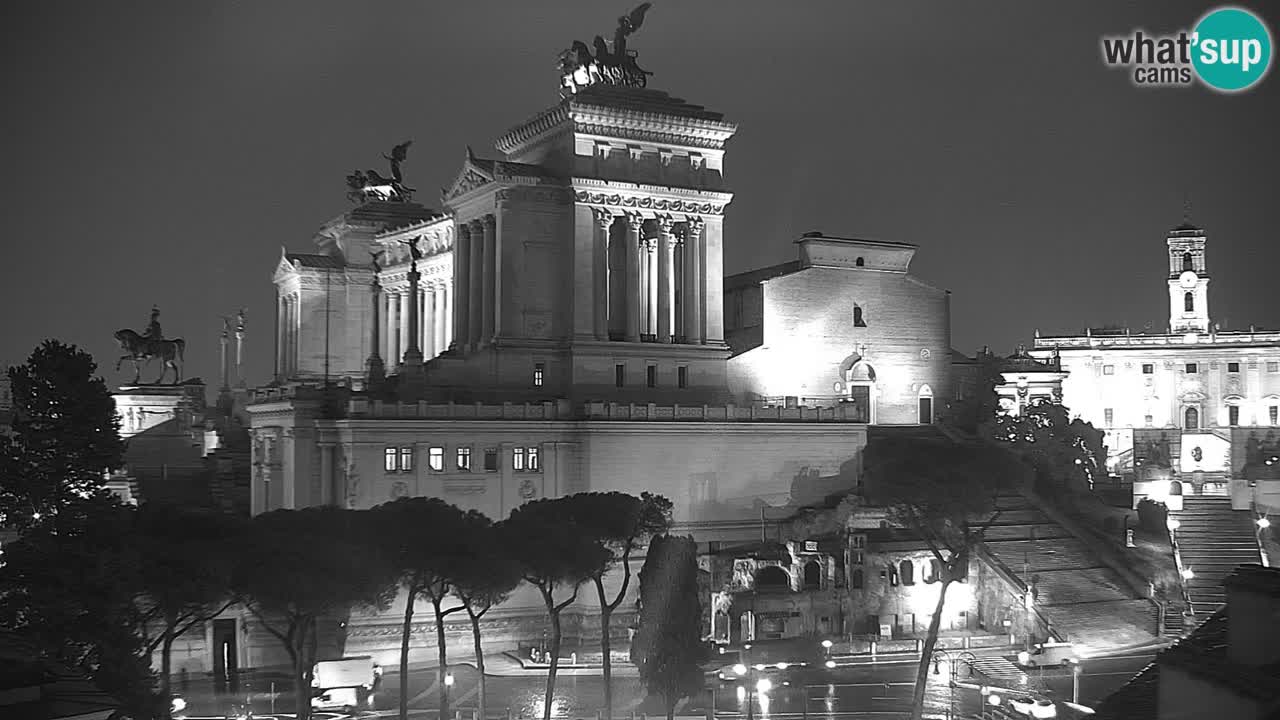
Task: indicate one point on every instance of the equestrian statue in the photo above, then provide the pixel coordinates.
(142, 349)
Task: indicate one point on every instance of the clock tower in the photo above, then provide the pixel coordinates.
(1188, 280)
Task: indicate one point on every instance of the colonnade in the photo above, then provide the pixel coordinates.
(475, 266)
(649, 279)
(435, 300)
(288, 326)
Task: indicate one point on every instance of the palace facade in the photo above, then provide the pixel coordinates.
(1195, 408)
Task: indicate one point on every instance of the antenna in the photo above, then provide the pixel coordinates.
(1186, 208)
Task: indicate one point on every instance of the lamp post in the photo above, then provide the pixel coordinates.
(938, 657)
(1075, 681)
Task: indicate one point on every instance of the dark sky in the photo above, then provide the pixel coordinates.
(162, 152)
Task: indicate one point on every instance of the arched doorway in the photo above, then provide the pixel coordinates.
(812, 575)
(1175, 488)
(861, 381)
(1191, 419)
(772, 577)
(924, 399)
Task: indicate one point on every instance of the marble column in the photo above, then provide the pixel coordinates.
(292, 358)
(666, 269)
(404, 316)
(475, 306)
(649, 249)
(489, 303)
(462, 284)
(429, 321)
(327, 494)
(446, 312)
(633, 226)
(282, 322)
(603, 222)
(375, 370)
(693, 295)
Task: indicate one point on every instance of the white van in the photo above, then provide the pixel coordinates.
(1045, 654)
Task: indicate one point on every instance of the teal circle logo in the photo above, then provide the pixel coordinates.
(1231, 49)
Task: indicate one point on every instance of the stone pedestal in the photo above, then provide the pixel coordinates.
(169, 409)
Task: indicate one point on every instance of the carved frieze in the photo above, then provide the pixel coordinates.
(653, 135)
(648, 203)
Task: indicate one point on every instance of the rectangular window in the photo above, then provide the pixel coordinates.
(1233, 367)
(1148, 420)
(811, 546)
(464, 459)
(858, 541)
(389, 459)
(531, 459)
(435, 459)
(651, 376)
(1109, 417)
(682, 376)
(1192, 368)
(1148, 368)
(1273, 414)
(620, 375)
(406, 459)
(1273, 366)
(1233, 415)
(517, 459)
(491, 460)
(1108, 369)
(537, 374)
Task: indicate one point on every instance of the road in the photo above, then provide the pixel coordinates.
(883, 688)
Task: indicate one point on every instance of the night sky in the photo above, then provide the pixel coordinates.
(162, 152)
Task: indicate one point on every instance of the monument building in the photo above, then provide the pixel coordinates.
(1188, 410)
(558, 325)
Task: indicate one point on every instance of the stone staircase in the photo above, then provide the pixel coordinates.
(1212, 540)
(1084, 599)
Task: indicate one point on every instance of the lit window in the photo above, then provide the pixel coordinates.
(491, 460)
(619, 374)
(537, 374)
(435, 459)
(1273, 414)
(1148, 368)
(682, 376)
(531, 457)
(1233, 367)
(389, 462)
(1192, 368)
(1109, 416)
(406, 459)
(464, 459)
(517, 459)
(651, 375)
(1108, 369)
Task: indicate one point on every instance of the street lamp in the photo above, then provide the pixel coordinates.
(938, 658)
(1263, 522)
(1075, 681)
(1187, 574)
(1173, 524)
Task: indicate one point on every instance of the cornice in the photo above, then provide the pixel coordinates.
(530, 130)
(658, 198)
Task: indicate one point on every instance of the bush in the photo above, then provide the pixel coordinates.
(1153, 516)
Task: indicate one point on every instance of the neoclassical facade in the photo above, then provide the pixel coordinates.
(1194, 405)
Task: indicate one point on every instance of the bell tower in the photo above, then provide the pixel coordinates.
(1188, 280)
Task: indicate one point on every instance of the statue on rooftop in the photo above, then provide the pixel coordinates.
(150, 345)
(366, 185)
(579, 69)
(414, 252)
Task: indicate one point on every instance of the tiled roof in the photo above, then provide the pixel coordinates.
(643, 100)
(315, 261)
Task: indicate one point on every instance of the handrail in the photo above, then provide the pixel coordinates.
(1182, 578)
(1010, 577)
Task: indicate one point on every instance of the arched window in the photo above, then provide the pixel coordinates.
(1191, 419)
(858, 320)
(772, 577)
(1189, 302)
(1188, 262)
(812, 575)
(934, 573)
(908, 572)
(1175, 488)
(859, 262)
(855, 580)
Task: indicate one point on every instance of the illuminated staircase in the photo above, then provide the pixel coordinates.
(1212, 540)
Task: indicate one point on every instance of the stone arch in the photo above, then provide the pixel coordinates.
(1175, 487)
(907, 571)
(772, 577)
(924, 403)
(1189, 302)
(859, 262)
(812, 575)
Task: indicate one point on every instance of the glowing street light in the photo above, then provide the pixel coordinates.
(831, 664)
(739, 669)
(1174, 523)
(1263, 523)
(827, 644)
(1187, 574)
(764, 685)
(448, 680)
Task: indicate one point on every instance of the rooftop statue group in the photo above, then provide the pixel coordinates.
(365, 185)
(579, 68)
(151, 345)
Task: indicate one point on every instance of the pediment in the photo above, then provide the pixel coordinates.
(284, 268)
(471, 176)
